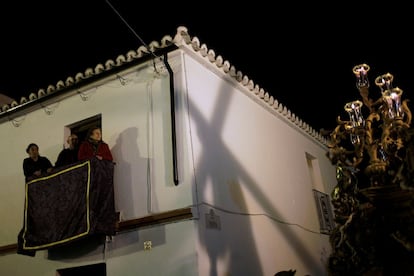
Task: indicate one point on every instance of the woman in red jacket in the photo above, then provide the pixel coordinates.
(93, 146)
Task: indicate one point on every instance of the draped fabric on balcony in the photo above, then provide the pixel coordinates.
(73, 202)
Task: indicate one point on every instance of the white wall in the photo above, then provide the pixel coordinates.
(251, 169)
(136, 124)
(240, 162)
(172, 253)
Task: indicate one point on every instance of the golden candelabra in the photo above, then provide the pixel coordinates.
(373, 198)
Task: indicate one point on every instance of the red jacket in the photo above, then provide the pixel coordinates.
(87, 151)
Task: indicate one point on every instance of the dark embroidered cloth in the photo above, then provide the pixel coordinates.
(72, 203)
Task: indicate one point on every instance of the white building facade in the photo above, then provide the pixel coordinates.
(187, 132)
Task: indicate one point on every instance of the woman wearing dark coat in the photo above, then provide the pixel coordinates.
(93, 146)
(35, 165)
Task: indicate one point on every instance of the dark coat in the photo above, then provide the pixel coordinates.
(30, 166)
(66, 157)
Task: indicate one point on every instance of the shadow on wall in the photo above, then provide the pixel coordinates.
(245, 261)
(131, 188)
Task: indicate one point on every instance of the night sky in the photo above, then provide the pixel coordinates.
(302, 54)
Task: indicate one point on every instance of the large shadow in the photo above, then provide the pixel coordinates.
(130, 174)
(133, 192)
(213, 155)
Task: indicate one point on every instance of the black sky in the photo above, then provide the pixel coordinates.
(302, 54)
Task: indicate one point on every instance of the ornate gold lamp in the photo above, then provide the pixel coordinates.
(373, 203)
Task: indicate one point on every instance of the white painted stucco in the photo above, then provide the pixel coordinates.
(240, 161)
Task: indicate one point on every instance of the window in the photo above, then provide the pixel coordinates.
(81, 128)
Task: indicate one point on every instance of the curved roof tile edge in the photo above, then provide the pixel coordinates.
(89, 72)
(182, 37)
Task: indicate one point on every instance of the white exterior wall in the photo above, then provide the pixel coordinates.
(136, 124)
(251, 169)
(237, 157)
